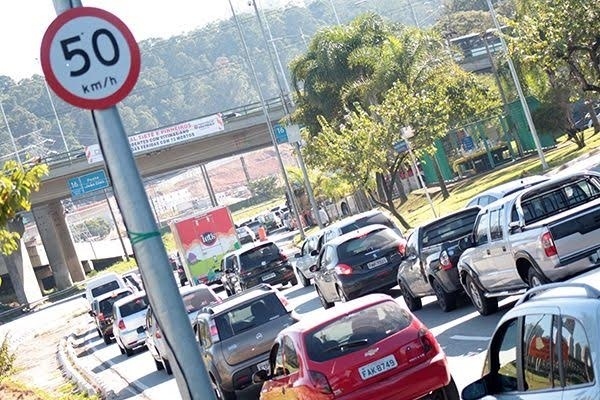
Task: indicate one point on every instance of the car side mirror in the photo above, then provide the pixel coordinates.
(514, 226)
(228, 270)
(314, 253)
(297, 255)
(83, 296)
(314, 268)
(475, 390)
(260, 376)
(466, 242)
(92, 313)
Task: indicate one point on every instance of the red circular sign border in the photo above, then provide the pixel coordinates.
(91, 104)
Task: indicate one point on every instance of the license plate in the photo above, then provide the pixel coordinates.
(377, 367)
(268, 276)
(377, 263)
(263, 365)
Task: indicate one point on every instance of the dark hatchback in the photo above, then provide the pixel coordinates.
(261, 263)
(357, 263)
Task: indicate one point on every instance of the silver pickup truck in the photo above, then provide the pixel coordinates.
(542, 234)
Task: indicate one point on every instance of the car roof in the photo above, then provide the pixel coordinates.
(323, 317)
(507, 187)
(112, 293)
(190, 289)
(583, 286)
(105, 277)
(237, 299)
(452, 214)
(356, 233)
(131, 297)
(250, 246)
(354, 218)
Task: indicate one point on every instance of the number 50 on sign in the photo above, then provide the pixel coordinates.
(90, 58)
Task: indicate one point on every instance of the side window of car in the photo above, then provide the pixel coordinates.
(290, 356)
(481, 229)
(411, 245)
(503, 356)
(495, 224)
(540, 362)
(278, 368)
(577, 356)
(327, 256)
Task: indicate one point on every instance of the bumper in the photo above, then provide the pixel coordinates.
(282, 275)
(356, 285)
(411, 384)
(449, 280)
(132, 339)
(241, 377)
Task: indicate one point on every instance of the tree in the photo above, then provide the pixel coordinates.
(265, 188)
(17, 182)
(98, 227)
(325, 185)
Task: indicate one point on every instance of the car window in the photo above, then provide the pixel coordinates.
(449, 228)
(540, 362)
(249, 315)
(411, 244)
(106, 305)
(202, 333)
(354, 331)
(277, 367)
(503, 354)
(290, 355)
(496, 224)
(481, 229)
(578, 363)
(359, 245)
(378, 218)
(105, 288)
(133, 306)
(327, 255)
(197, 299)
(256, 256)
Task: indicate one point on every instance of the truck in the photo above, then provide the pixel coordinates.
(543, 234)
(202, 240)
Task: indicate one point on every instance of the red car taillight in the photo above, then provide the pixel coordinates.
(428, 342)
(319, 382)
(548, 245)
(445, 262)
(214, 332)
(100, 317)
(121, 325)
(402, 247)
(343, 269)
(283, 257)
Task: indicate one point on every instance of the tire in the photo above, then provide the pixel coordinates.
(159, 365)
(128, 352)
(303, 280)
(220, 393)
(413, 303)
(99, 333)
(167, 365)
(449, 392)
(107, 339)
(326, 304)
(294, 281)
(484, 305)
(446, 301)
(343, 297)
(534, 278)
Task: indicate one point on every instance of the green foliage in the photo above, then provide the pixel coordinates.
(122, 266)
(462, 23)
(325, 185)
(7, 358)
(98, 227)
(169, 242)
(266, 188)
(17, 182)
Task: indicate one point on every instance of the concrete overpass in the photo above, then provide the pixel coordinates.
(245, 129)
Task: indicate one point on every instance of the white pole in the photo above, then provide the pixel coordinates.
(335, 14)
(12, 139)
(406, 133)
(62, 134)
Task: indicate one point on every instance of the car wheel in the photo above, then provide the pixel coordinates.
(303, 280)
(535, 278)
(413, 303)
(326, 304)
(99, 333)
(222, 394)
(128, 352)
(446, 301)
(448, 392)
(107, 340)
(168, 368)
(159, 365)
(484, 305)
(120, 348)
(343, 297)
(294, 281)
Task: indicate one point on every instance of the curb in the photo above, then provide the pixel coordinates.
(85, 380)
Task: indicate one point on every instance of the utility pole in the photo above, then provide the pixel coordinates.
(12, 138)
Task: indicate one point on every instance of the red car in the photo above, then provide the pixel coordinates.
(368, 348)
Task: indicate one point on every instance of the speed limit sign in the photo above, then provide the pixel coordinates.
(90, 58)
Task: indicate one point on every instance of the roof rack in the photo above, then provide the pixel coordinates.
(590, 291)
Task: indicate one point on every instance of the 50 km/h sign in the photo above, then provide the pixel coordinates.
(90, 58)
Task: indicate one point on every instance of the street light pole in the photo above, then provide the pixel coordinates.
(12, 139)
(62, 134)
(515, 77)
(335, 14)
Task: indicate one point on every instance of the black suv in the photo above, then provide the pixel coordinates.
(254, 264)
(236, 335)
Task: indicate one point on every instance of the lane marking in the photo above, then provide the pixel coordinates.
(471, 338)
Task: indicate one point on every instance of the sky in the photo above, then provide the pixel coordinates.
(24, 22)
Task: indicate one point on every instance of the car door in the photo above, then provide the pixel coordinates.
(410, 269)
(479, 255)
(501, 260)
(284, 373)
(327, 272)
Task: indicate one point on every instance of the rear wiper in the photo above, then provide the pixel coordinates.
(354, 343)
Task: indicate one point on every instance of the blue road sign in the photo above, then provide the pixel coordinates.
(87, 183)
(280, 134)
(467, 143)
(401, 146)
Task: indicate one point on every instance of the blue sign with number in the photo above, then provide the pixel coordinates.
(401, 146)
(467, 143)
(280, 134)
(87, 183)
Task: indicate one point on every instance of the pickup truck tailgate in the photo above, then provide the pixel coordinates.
(577, 234)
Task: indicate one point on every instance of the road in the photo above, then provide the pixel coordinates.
(463, 334)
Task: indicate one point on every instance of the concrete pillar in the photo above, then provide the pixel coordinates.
(58, 243)
(21, 271)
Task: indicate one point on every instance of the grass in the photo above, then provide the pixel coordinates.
(12, 389)
(418, 211)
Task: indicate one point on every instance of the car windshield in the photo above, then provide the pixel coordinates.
(449, 229)
(134, 306)
(356, 330)
(249, 315)
(106, 305)
(365, 221)
(241, 231)
(371, 241)
(105, 288)
(256, 256)
(197, 299)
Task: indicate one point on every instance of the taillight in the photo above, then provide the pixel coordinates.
(158, 334)
(343, 269)
(121, 325)
(283, 257)
(100, 317)
(445, 261)
(214, 332)
(402, 247)
(427, 341)
(320, 382)
(548, 245)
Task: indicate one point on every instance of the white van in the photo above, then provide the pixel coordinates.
(102, 284)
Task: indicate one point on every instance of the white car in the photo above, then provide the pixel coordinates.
(103, 284)
(129, 322)
(194, 299)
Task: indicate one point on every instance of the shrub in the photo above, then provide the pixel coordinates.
(7, 358)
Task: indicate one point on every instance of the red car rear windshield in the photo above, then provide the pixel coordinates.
(354, 331)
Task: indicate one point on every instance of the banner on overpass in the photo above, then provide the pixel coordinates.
(167, 136)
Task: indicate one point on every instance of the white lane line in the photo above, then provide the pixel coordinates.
(471, 338)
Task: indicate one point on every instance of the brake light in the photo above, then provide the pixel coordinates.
(214, 332)
(445, 261)
(100, 317)
(427, 341)
(343, 269)
(319, 382)
(548, 245)
(402, 247)
(158, 334)
(121, 325)
(283, 257)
